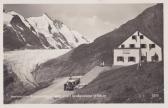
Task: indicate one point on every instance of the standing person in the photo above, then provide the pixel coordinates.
(103, 63)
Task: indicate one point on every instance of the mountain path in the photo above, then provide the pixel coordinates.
(92, 74)
(56, 90)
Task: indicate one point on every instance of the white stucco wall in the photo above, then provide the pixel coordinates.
(126, 53)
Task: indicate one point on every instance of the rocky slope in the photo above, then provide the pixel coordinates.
(38, 33)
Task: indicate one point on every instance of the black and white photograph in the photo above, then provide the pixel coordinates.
(83, 53)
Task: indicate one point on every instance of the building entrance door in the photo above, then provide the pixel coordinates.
(155, 58)
(143, 58)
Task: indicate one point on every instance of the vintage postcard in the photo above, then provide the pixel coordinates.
(81, 53)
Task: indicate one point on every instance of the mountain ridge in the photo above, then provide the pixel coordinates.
(50, 37)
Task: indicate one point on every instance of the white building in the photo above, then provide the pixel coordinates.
(137, 48)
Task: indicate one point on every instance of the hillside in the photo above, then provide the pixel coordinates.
(85, 57)
(125, 85)
(149, 23)
(38, 33)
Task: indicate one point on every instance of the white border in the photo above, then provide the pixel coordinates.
(88, 2)
(80, 1)
(1, 55)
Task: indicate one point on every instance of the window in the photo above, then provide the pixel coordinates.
(132, 45)
(120, 58)
(143, 45)
(122, 46)
(131, 59)
(151, 46)
(141, 36)
(134, 37)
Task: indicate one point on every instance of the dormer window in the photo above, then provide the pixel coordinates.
(122, 46)
(141, 37)
(134, 37)
(132, 45)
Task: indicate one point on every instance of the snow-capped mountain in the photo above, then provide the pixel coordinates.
(56, 30)
(38, 32)
(18, 33)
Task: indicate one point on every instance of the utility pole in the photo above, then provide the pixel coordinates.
(139, 64)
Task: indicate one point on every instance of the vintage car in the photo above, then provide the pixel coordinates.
(71, 83)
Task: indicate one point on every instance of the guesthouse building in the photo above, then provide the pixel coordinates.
(137, 49)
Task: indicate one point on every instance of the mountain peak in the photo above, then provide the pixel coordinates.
(7, 18)
(13, 13)
(45, 15)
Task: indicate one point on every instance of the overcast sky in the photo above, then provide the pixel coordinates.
(91, 20)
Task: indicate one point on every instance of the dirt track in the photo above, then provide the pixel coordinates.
(91, 75)
(46, 95)
(56, 90)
